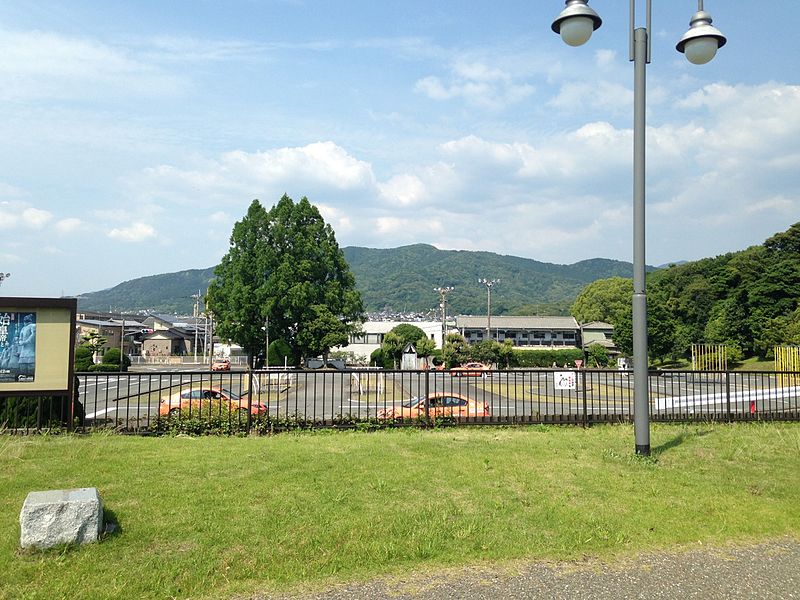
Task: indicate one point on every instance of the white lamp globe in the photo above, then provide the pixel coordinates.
(701, 50)
(576, 31)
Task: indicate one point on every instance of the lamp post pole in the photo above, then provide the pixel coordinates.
(489, 283)
(575, 24)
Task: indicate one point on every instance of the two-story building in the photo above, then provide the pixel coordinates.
(530, 332)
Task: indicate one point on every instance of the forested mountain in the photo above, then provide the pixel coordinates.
(748, 300)
(400, 279)
(166, 293)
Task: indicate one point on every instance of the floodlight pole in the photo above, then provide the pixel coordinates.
(443, 291)
(489, 283)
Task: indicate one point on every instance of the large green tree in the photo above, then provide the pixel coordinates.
(606, 300)
(285, 267)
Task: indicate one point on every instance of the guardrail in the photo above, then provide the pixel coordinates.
(146, 402)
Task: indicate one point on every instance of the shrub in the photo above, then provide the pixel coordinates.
(83, 359)
(111, 357)
(545, 358)
(104, 368)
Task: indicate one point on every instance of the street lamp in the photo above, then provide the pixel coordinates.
(443, 291)
(575, 24)
(489, 283)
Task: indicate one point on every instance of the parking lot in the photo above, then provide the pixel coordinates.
(541, 395)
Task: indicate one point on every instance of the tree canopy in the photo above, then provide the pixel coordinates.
(748, 300)
(284, 267)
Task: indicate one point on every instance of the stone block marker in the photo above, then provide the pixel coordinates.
(61, 517)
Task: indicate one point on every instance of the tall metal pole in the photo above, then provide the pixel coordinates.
(443, 291)
(489, 283)
(196, 316)
(121, 343)
(641, 402)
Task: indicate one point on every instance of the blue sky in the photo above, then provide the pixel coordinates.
(134, 134)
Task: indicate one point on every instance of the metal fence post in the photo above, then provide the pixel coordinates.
(427, 399)
(583, 391)
(250, 398)
(728, 395)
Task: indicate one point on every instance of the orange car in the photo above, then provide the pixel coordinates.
(471, 369)
(207, 400)
(440, 404)
(221, 364)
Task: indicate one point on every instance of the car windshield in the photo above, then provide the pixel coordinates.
(413, 402)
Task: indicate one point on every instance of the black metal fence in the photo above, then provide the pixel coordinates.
(263, 401)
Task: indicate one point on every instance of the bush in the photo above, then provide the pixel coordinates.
(83, 359)
(380, 358)
(545, 358)
(598, 356)
(111, 357)
(104, 368)
(24, 411)
(278, 351)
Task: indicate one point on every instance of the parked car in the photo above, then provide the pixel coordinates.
(440, 404)
(470, 369)
(221, 364)
(207, 400)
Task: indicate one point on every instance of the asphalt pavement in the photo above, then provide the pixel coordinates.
(767, 571)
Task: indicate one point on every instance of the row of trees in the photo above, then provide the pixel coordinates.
(747, 300)
(457, 351)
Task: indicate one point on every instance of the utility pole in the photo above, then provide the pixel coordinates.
(489, 283)
(196, 316)
(443, 291)
(122, 343)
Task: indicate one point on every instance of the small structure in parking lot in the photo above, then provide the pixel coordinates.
(59, 517)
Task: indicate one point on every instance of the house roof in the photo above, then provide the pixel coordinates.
(166, 333)
(517, 322)
(597, 325)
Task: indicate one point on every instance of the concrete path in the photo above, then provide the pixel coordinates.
(764, 571)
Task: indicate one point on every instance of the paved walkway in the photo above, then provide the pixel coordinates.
(764, 571)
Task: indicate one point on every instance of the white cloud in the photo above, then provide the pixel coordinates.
(36, 218)
(137, 232)
(404, 190)
(313, 169)
(68, 225)
(42, 64)
(478, 84)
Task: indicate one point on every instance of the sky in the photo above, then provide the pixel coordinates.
(133, 135)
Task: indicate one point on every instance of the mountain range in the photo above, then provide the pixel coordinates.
(400, 280)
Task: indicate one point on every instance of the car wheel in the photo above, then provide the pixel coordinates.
(174, 413)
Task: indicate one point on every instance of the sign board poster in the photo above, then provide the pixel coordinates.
(17, 346)
(565, 380)
(37, 340)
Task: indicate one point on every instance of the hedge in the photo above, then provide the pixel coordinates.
(546, 358)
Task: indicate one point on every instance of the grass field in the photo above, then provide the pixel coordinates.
(215, 517)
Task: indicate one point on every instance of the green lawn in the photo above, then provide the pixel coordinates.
(215, 517)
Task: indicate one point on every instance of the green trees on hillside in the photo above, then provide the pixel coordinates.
(285, 266)
(747, 300)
